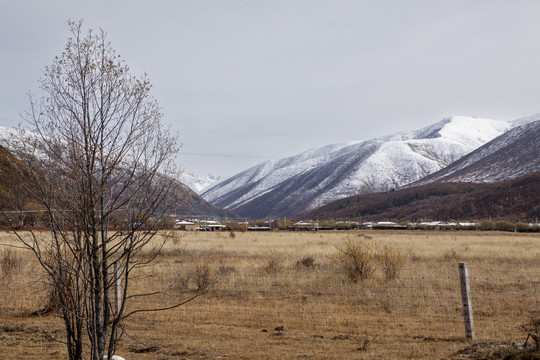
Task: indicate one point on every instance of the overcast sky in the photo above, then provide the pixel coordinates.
(248, 81)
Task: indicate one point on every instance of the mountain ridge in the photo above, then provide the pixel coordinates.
(512, 154)
(318, 176)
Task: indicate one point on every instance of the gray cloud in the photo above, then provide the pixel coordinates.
(240, 77)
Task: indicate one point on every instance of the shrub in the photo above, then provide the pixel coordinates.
(485, 225)
(306, 262)
(61, 292)
(356, 258)
(202, 275)
(273, 263)
(55, 293)
(197, 275)
(504, 226)
(522, 227)
(360, 256)
(391, 260)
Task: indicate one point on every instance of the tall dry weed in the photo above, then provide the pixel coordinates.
(273, 263)
(202, 274)
(10, 262)
(307, 262)
(360, 256)
(356, 258)
(391, 260)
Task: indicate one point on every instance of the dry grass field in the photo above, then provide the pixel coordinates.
(279, 296)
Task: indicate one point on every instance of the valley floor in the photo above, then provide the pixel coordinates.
(280, 295)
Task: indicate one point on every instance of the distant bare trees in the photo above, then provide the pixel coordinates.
(97, 152)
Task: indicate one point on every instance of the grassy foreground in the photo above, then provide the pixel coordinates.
(278, 296)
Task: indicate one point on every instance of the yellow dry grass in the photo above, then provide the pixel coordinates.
(262, 286)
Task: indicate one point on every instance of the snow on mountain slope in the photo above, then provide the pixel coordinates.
(198, 183)
(318, 176)
(510, 155)
(270, 173)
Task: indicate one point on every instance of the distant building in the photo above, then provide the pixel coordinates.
(387, 225)
(185, 225)
(259, 228)
(305, 225)
(212, 227)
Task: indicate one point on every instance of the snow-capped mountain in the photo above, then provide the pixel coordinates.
(313, 178)
(198, 183)
(512, 154)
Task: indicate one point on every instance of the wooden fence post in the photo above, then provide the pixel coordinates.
(466, 300)
(117, 288)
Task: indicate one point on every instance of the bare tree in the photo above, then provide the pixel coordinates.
(97, 152)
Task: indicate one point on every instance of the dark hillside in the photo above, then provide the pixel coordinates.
(12, 187)
(512, 200)
(187, 202)
(11, 184)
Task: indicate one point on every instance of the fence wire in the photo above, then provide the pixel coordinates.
(422, 302)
